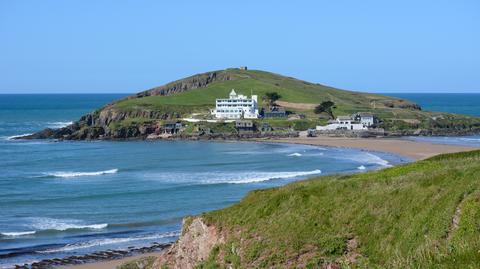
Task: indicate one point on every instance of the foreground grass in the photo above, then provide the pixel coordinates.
(421, 215)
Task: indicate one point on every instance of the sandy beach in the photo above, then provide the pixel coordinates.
(411, 149)
(112, 264)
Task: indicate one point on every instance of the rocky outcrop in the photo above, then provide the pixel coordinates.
(194, 245)
(98, 256)
(193, 82)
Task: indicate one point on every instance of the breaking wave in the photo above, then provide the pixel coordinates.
(50, 225)
(58, 124)
(109, 241)
(372, 158)
(15, 136)
(17, 234)
(260, 176)
(42, 224)
(296, 154)
(81, 174)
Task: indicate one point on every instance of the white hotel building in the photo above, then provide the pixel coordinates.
(237, 106)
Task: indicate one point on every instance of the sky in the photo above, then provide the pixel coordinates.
(127, 46)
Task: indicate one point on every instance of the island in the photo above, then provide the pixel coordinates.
(239, 103)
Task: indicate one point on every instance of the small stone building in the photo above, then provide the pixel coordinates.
(244, 125)
(275, 112)
(171, 127)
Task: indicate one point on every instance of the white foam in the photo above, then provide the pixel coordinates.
(17, 234)
(16, 136)
(296, 154)
(58, 124)
(81, 174)
(63, 225)
(377, 160)
(109, 241)
(361, 167)
(260, 176)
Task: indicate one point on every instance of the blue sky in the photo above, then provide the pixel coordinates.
(128, 46)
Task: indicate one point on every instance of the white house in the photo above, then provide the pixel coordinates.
(365, 118)
(237, 106)
(343, 123)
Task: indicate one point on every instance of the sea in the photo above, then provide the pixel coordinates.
(67, 198)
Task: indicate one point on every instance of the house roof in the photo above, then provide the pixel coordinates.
(344, 118)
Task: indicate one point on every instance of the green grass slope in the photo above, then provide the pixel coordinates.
(420, 215)
(259, 83)
(396, 114)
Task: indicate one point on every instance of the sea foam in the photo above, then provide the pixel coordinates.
(42, 224)
(260, 176)
(110, 241)
(17, 234)
(296, 154)
(16, 136)
(81, 174)
(58, 124)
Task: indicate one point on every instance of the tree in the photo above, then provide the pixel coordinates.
(271, 98)
(325, 107)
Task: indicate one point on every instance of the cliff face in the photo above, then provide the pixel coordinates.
(193, 246)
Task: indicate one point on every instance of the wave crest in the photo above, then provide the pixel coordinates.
(262, 176)
(58, 124)
(110, 241)
(81, 174)
(16, 136)
(17, 234)
(51, 224)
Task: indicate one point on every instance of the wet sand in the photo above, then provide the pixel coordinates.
(411, 149)
(112, 264)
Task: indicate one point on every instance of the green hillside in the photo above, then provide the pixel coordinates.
(395, 113)
(259, 83)
(421, 215)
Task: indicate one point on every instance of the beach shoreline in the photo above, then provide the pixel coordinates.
(413, 150)
(112, 264)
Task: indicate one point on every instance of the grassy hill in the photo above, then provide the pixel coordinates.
(420, 215)
(259, 83)
(395, 113)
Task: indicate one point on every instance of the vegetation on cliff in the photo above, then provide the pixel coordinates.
(420, 215)
(140, 114)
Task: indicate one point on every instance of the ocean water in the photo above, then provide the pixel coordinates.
(460, 103)
(68, 198)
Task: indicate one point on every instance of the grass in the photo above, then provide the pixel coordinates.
(400, 217)
(259, 83)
